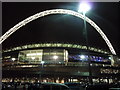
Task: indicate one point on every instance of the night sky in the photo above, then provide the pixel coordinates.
(61, 28)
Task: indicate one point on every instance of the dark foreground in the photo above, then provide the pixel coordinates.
(56, 86)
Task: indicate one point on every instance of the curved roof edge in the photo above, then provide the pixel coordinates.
(40, 45)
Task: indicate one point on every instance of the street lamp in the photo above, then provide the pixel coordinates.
(40, 75)
(84, 7)
(13, 59)
(42, 62)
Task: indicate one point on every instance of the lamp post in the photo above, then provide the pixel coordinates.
(13, 59)
(84, 7)
(42, 62)
(40, 75)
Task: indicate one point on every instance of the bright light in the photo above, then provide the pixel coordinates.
(13, 59)
(33, 54)
(110, 58)
(57, 81)
(38, 53)
(82, 57)
(59, 62)
(42, 62)
(33, 58)
(84, 7)
(55, 57)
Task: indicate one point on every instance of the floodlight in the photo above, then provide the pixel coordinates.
(84, 7)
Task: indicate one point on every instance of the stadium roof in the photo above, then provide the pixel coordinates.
(64, 45)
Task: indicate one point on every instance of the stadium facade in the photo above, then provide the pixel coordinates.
(59, 62)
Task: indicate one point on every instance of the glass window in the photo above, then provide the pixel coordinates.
(45, 53)
(31, 56)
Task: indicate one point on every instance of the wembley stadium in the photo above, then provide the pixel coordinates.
(58, 62)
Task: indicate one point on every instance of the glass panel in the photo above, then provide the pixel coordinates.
(30, 56)
(55, 55)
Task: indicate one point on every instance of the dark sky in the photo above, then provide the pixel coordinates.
(61, 28)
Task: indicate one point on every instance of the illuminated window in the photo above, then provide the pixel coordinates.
(31, 56)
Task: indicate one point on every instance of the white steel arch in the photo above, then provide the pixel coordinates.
(57, 11)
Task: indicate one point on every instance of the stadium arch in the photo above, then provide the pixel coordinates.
(57, 11)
